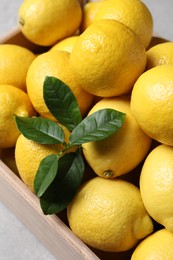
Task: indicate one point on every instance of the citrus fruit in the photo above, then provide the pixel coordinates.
(15, 61)
(156, 185)
(89, 11)
(160, 54)
(121, 152)
(156, 246)
(53, 63)
(45, 22)
(28, 155)
(107, 58)
(152, 103)
(13, 101)
(108, 214)
(65, 44)
(133, 13)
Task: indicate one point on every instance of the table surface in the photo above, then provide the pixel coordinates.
(16, 241)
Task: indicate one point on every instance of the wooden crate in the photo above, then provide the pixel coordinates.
(52, 230)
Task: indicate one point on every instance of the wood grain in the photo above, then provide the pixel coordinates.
(50, 229)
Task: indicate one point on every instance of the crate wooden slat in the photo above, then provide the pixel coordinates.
(50, 230)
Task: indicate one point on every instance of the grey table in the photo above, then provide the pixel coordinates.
(16, 242)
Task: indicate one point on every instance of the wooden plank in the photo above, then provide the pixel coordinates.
(50, 229)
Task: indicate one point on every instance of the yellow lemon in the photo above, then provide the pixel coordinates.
(156, 246)
(152, 103)
(107, 58)
(160, 54)
(29, 154)
(108, 214)
(53, 63)
(89, 11)
(133, 13)
(156, 185)
(66, 44)
(45, 22)
(15, 61)
(13, 101)
(121, 152)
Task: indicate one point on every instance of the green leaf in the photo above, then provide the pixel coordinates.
(97, 126)
(46, 173)
(40, 130)
(62, 190)
(61, 102)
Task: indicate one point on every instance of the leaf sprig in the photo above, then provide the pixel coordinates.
(60, 175)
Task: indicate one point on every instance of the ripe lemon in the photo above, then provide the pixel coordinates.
(108, 214)
(53, 63)
(45, 22)
(133, 13)
(160, 54)
(121, 152)
(89, 11)
(107, 58)
(28, 155)
(156, 246)
(66, 44)
(13, 101)
(156, 185)
(15, 61)
(152, 103)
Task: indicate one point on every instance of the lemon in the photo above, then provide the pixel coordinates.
(133, 13)
(45, 22)
(107, 58)
(53, 63)
(28, 155)
(121, 152)
(108, 214)
(152, 103)
(13, 101)
(89, 11)
(160, 54)
(156, 246)
(15, 61)
(66, 44)
(156, 185)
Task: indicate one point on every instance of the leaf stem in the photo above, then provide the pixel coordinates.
(67, 147)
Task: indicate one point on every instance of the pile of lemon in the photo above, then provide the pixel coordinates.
(106, 53)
